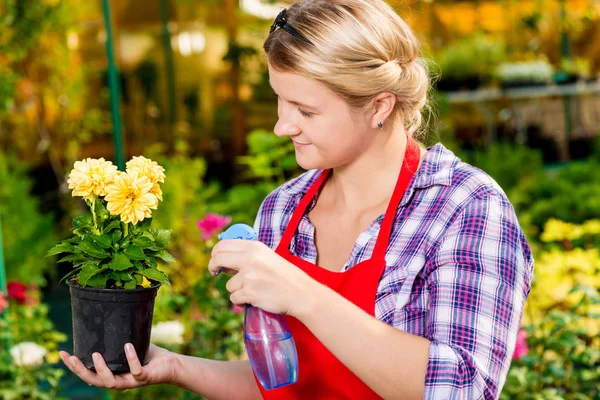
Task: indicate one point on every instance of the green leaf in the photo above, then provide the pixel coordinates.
(100, 210)
(61, 248)
(92, 249)
(130, 284)
(119, 262)
(104, 241)
(165, 255)
(76, 259)
(155, 275)
(138, 265)
(138, 278)
(82, 220)
(162, 237)
(134, 253)
(88, 270)
(121, 276)
(98, 281)
(143, 242)
(114, 224)
(145, 224)
(74, 271)
(116, 236)
(152, 261)
(84, 230)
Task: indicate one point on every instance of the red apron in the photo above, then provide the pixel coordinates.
(320, 374)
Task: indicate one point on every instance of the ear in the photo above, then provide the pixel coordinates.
(383, 105)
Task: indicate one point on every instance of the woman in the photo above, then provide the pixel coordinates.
(402, 271)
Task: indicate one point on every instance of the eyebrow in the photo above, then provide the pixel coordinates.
(296, 103)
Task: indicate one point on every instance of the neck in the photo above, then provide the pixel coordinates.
(368, 182)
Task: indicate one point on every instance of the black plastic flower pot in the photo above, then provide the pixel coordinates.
(104, 320)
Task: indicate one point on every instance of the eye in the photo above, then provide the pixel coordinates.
(304, 113)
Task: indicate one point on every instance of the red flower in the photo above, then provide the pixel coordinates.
(521, 348)
(212, 223)
(18, 291)
(3, 303)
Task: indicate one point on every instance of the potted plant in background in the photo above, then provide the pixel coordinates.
(524, 73)
(114, 253)
(468, 63)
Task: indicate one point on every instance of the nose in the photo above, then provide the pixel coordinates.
(285, 128)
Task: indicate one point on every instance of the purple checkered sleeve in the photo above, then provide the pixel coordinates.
(458, 270)
(477, 292)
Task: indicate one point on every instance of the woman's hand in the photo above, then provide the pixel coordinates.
(160, 368)
(262, 277)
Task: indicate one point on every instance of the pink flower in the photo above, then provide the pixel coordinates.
(521, 348)
(17, 290)
(3, 303)
(212, 223)
(237, 309)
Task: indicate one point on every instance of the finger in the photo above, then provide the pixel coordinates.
(232, 246)
(240, 298)
(231, 261)
(235, 283)
(77, 367)
(135, 365)
(108, 379)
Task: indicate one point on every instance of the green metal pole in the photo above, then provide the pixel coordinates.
(2, 266)
(166, 39)
(565, 53)
(7, 342)
(115, 91)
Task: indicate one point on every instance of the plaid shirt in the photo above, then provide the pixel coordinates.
(458, 270)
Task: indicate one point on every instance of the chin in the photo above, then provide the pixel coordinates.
(308, 163)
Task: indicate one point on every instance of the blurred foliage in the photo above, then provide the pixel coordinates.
(570, 193)
(27, 234)
(562, 318)
(45, 100)
(30, 323)
(473, 57)
(508, 163)
(270, 162)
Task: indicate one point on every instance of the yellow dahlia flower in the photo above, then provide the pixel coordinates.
(156, 191)
(90, 177)
(146, 167)
(129, 197)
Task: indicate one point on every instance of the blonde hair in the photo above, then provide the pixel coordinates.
(360, 48)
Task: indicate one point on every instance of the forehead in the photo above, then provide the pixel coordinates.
(280, 80)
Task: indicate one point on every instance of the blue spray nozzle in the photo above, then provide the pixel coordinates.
(237, 231)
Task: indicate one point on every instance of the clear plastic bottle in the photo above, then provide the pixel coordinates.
(271, 348)
(269, 342)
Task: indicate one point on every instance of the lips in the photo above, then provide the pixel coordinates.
(300, 144)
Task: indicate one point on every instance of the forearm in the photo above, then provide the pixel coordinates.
(391, 362)
(227, 380)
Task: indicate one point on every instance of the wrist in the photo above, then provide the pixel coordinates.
(176, 363)
(308, 300)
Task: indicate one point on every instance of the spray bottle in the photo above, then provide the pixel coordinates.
(269, 342)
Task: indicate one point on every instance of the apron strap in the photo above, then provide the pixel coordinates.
(410, 164)
(301, 209)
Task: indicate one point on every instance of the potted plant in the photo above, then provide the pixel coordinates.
(572, 70)
(114, 253)
(524, 73)
(467, 64)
